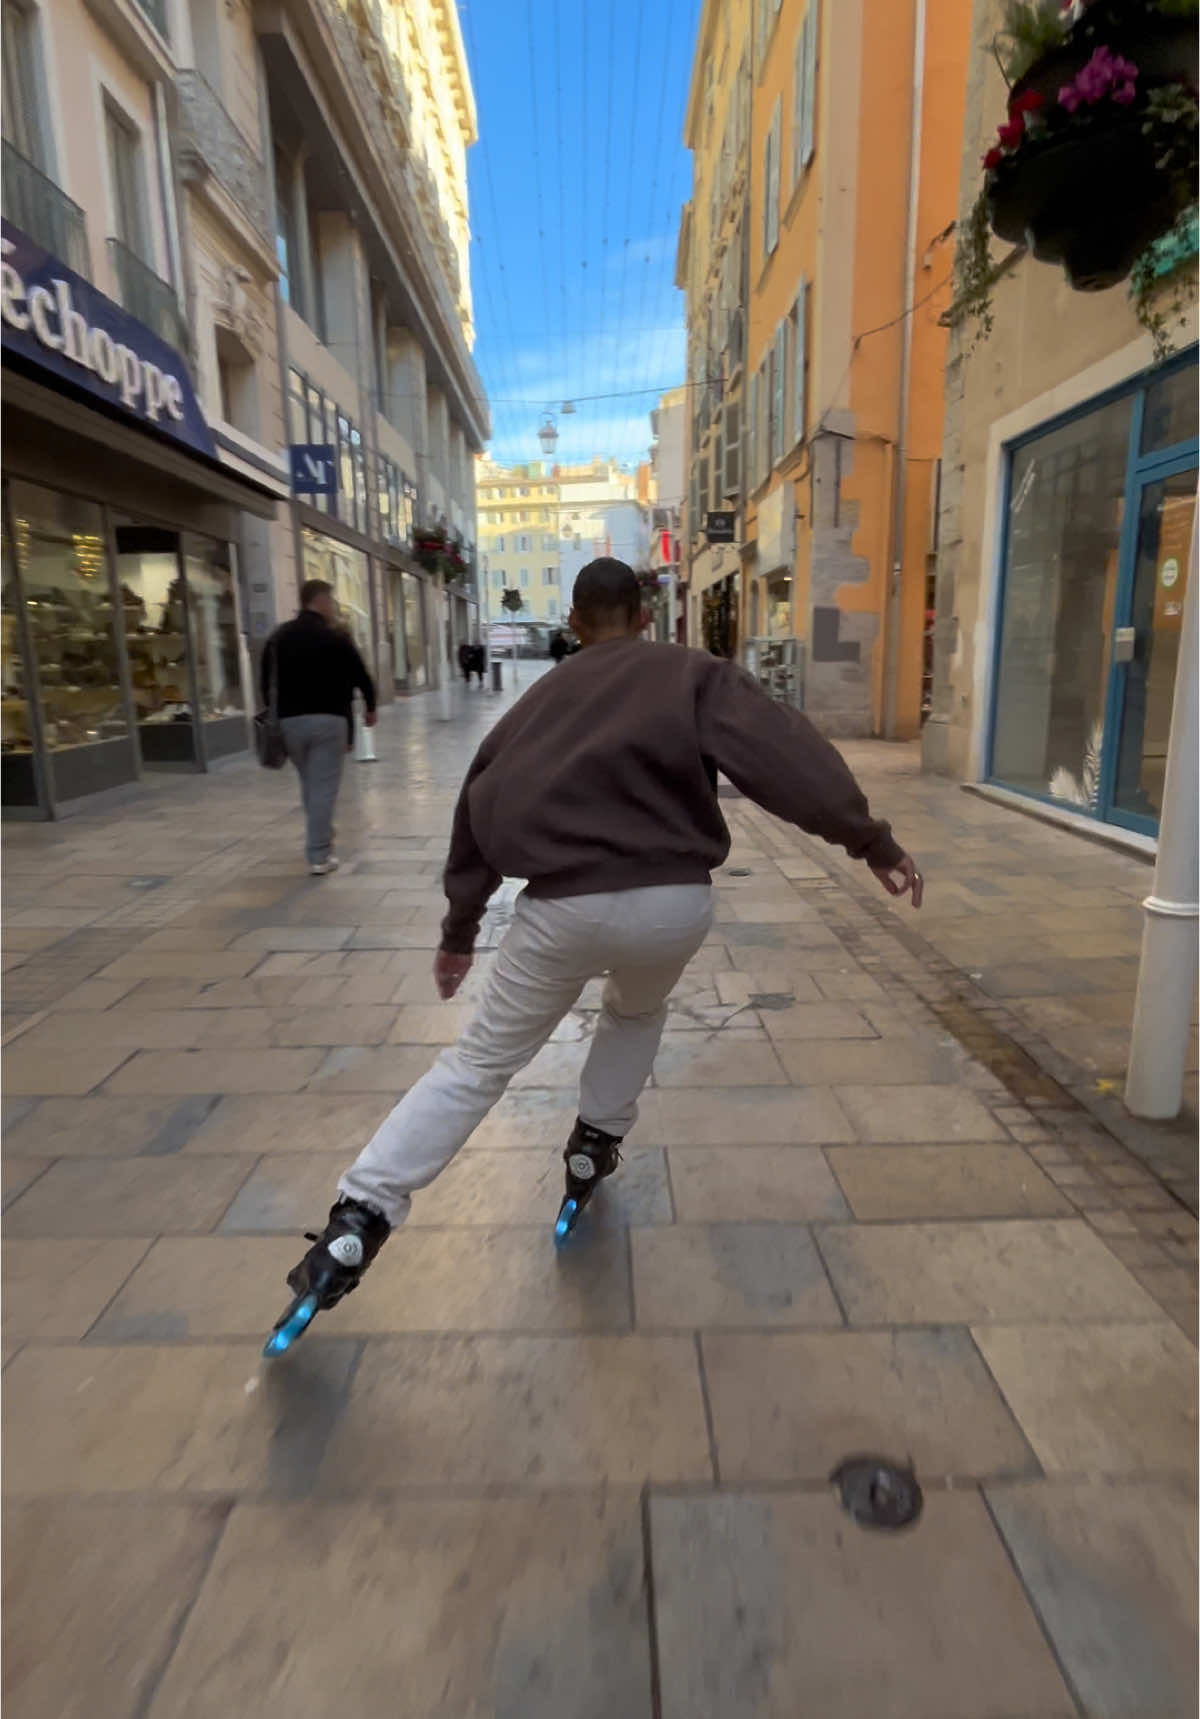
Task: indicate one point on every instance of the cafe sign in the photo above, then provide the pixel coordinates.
(54, 319)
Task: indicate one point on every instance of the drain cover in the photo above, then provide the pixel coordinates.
(878, 1493)
(740, 871)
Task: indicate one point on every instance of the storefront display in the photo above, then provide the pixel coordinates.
(348, 571)
(1099, 519)
(71, 629)
(215, 640)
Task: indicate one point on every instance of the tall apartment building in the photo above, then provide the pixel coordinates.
(815, 254)
(236, 341)
(540, 523)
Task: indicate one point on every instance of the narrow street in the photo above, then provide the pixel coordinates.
(880, 1200)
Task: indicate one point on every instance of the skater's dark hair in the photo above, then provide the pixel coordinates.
(312, 589)
(605, 590)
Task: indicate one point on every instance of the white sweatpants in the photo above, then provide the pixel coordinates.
(641, 938)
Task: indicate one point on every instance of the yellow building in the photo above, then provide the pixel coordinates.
(518, 541)
(819, 411)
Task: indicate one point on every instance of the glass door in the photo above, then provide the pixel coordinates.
(1146, 638)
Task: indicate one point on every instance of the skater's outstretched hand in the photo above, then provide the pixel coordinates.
(449, 971)
(903, 878)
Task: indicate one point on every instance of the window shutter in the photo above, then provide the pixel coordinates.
(771, 183)
(800, 361)
(779, 398)
(752, 435)
(733, 448)
(812, 31)
(798, 108)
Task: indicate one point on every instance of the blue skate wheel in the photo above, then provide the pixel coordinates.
(566, 1220)
(290, 1327)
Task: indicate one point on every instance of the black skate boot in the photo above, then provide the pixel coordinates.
(330, 1269)
(590, 1155)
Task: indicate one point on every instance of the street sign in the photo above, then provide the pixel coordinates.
(718, 527)
(314, 468)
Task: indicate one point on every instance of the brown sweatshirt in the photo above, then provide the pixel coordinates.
(604, 777)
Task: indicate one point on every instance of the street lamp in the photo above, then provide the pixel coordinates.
(548, 434)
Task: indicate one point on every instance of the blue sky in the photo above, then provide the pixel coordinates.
(576, 185)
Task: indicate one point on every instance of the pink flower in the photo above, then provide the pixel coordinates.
(1105, 74)
(993, 158)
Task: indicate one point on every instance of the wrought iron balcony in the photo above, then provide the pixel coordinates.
(37, 206)
(148, 298)
(210, 143)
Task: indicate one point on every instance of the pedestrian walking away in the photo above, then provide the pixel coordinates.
(599, 788)
(317, 669)
(558, 648)
(466, 660)
(478, 662)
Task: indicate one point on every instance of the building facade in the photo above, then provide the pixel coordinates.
(1068, 502)
(540, 523)
(825, 183)
(220, 379)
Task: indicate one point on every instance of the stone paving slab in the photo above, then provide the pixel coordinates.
(789, 1406)
(527, 1608)
(1099, 1399)
(88, 1633)
(951, 1273)
(1112, 1571)
(777, 1605)
(565, 1411)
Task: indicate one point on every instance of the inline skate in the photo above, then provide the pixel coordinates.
(590, 1155)
(330, 1269)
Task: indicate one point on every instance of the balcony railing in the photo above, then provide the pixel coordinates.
(37, 206)
(211, 143)
(148, 298)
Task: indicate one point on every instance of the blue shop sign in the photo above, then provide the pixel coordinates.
(58, 321)
(314, 468)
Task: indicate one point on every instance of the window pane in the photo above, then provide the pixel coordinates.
(60, 547)
(123, 157)
(1171, 410)
(20, 781)
(346, 570)
(152, 598)
(212, 614)
(1064, 530)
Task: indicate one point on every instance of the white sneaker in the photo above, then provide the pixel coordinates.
(324, 869)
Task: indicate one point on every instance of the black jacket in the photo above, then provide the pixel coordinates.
(318, 667)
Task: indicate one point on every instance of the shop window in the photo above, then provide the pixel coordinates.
(216, 652)
(20, 785)
(154, 605)
(1066, 504)
(59, 544)
(346, 570)
(1171, 410)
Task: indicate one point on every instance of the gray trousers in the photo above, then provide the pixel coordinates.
(316, 745)
(641, 938)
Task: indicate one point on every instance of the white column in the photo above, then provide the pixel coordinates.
(1167, 975)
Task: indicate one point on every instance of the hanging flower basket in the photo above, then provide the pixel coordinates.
(439, 553)
(1097, 157)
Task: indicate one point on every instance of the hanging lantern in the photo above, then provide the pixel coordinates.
(548, 434)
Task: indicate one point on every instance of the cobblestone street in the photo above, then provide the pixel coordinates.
(880, 1199)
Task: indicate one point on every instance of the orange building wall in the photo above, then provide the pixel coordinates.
(881, 234)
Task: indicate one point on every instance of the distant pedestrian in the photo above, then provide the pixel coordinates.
(316, 669)
(478, 662)
(466, 660)
(600, 788)
(559, 648)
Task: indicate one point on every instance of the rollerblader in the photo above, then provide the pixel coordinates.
(600, 788)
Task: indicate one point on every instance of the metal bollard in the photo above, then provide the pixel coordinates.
(497, 677)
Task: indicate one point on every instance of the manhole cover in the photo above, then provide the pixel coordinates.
(740, 871)
(878, 1493)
